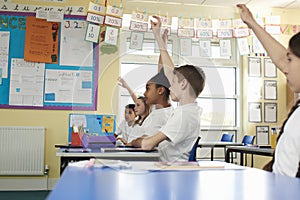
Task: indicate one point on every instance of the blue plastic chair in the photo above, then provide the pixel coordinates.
(194, 151)
(226, 137)
(248, 140)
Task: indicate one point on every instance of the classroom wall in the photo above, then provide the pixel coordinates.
(56, 121)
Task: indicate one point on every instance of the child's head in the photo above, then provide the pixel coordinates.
(129, 113)
(292, 70)
(142, 110)
(194, 76)
(157, 89)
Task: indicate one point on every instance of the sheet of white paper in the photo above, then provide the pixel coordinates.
(254, 112)
(78, 120)
(68, 86)
(4, 50)
(74, 50)
(136, 40)
(26, 83)
(271, 90)
(205, 48)
(270, 68)
(186, 47)
(270, 112)
(257, 46)
(111, 35)
(262, 135)
(254, 67)
(225, 48)
(243, 46)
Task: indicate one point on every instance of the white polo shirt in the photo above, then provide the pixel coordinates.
(287, 152)
(182, 130)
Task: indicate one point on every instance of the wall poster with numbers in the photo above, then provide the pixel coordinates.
(47, 65)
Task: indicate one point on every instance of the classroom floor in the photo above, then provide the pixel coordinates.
(24, 195)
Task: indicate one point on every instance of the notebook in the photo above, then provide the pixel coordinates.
(126, 149)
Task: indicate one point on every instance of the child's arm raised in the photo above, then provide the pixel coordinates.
(165, 58)
(165, 39)
(275, 50)
(124, 84)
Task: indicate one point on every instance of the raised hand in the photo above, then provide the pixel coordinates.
(246, 15)
(122, 82)
(156, 26)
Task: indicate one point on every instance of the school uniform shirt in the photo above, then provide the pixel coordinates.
(136, 132)
(124, 130)
(182, 130)
(287, 152)
(156, 119)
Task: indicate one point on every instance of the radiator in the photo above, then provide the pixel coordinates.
(22, 150)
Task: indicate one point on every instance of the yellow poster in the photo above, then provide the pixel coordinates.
(108, 124)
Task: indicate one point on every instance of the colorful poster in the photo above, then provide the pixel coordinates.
(41, 40)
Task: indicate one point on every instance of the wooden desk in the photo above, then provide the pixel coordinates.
(217, 144)
(66, 157)
(233, 184)
(248, 150)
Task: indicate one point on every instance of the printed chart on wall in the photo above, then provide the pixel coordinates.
(47, 65)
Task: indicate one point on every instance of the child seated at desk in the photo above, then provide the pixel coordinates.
(126, 125)
(177, 137)
(156, 96)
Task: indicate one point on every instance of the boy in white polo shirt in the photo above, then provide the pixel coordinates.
(177, 137)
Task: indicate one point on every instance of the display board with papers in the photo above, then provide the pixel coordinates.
(46, 64)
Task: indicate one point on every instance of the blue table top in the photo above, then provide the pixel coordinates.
(231, 184)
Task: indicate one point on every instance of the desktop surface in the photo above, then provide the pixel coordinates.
(231, 184)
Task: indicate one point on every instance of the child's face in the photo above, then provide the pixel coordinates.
(140, 107)
(151, 94)
(129, 115)
(292, 71)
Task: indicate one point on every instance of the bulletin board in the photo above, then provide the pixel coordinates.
(68, 82)
(94, 124)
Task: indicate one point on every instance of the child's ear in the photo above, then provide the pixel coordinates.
(184, 83)
(161, 90)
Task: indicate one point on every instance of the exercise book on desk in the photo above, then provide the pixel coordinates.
(125, 149)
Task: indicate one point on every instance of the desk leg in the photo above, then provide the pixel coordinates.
(242, 159)
(251, 160)
(212, 154)
(227, 156)
(63, 163)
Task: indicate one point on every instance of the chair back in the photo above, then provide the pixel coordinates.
(194, 151)
(248, 139)
(226, 137)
